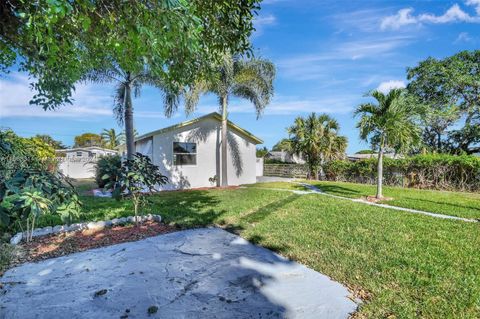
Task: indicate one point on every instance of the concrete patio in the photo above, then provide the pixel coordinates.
(199, 273)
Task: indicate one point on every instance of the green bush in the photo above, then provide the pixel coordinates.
(431, 171)
(108, 165)
(29, 186)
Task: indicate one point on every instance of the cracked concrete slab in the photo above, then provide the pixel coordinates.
(198, 273)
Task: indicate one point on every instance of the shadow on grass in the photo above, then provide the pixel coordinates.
(338, 190)
(448, 204)
(264, 211)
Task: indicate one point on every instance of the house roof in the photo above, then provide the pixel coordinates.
(213, 115)
(87, 148)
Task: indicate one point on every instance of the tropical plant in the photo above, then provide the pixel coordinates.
(261, 152)
(50, 141)
(58, 42)
(248, 79)
(111, 138)
(136, 176)
(284, 144)
(316, 139)
(389, 123)
(29, 188)
(107, 165)
(88, 139)
(128, 83)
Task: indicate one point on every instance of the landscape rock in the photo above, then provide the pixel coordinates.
(122, 220)
(42, 231)
(157, 218)
(57, 229)
(115, 221)
(15, 240)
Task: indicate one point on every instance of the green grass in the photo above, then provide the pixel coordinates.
(412, 265)
(448, 203)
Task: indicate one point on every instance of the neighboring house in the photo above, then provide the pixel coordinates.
(85, 152)
(358, 157)
(285, 157)
(189, 153)
(80, 162)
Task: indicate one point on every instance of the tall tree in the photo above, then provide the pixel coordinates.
(50, 141)
(58, 42)
(248, 79)
(88, 139)
(316, 139)
(283, 145)
(451, 88)
(111, 138)
(388, 123)
(128, 83)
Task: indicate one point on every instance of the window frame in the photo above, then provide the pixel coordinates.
(174, 153)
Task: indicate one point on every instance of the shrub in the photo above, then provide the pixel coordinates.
(29, 187)
(109, 165)
(136, 176)
(432, 171)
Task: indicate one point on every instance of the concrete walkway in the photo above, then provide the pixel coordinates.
(200, 273)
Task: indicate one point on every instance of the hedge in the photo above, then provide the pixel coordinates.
(433, 171)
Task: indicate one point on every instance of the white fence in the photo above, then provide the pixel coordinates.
(77, 167)
(259, 166)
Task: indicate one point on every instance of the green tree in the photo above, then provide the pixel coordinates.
(50, 141)
(128, 83)
(249, 79)
(450, 87)
(388, 123)
(261, 152)
(111, 138)
(88, 139)
(58, 42)
(316, 139)
(283, 145)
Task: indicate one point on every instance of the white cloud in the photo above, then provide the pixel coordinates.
(454, 14)
(387, 86)
(262, 21)
(403, 17)
(15, 95)
(463, 37)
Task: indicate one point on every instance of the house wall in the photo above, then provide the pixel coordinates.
(206, 133)
(77, 167)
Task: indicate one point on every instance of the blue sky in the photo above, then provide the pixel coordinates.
(328, 55)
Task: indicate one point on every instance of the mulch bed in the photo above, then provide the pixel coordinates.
(50, 246)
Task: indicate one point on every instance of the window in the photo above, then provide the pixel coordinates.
(79, 154)
(184, 153)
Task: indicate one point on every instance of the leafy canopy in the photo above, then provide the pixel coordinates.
(58, 41)
(316, 139)
(390, 122)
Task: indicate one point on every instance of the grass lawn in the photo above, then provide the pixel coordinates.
(442, 202)
(410, 265)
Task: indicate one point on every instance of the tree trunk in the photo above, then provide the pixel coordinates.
(380, 170)
(129, 138)
(224, 178)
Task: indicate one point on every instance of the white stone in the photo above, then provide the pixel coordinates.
(57, 229)
(149, 217)
(157, 218)
(122, 220)
(15, 240)
(115, 221)
(130, 219)
(42, 231)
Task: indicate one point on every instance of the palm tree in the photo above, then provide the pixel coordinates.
(248, 79)
(126, 82)
(112, 138)
(316, 139)
(390, 123)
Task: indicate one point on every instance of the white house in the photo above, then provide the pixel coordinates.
(81, 162)
(285, 157)
(189, 153)
(85, 152)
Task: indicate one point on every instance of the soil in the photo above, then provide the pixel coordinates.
(373, 199)
(50, 246)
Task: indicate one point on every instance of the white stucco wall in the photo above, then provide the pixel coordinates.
(206, 133)
(77, 167)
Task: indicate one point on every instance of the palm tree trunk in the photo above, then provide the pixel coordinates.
(224, 178)
(129, 138)
(380, 170)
